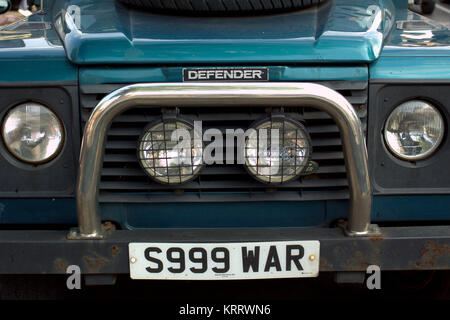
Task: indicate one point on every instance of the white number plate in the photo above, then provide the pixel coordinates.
(213, 261)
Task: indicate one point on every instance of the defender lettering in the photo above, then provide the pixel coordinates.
(231, 74)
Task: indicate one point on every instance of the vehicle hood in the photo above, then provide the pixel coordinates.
(107, 32)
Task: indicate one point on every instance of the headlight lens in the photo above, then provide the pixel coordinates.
(283, 156)
(414, 130)
(167, 157)
(33, 133)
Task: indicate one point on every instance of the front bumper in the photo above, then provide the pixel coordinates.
(399, 248)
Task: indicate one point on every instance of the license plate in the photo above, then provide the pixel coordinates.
(215, 261)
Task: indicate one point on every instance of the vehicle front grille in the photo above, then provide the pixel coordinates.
(123, 180)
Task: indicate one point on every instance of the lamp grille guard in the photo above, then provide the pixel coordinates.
(229, 95)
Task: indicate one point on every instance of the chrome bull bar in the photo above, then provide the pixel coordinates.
(269, 94)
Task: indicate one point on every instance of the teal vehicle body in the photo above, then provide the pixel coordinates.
(108, 43)
(86, 49)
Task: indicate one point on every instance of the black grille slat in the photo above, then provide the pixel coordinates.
(223, 184)
(136, 118)
(336, 85)
(110, 197)
(124, 181)
(208, 171)
(131, 157)
(357, 99)
(136, 131)
(131, 144)
(345, 85)
(100, 89)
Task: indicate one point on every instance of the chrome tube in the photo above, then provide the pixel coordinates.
(267, 94)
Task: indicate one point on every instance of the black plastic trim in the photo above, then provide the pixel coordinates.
(391, 175)
(56, 178)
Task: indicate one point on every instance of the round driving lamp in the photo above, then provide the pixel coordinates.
(33, 133)
(170, 151)
(414, 130)
(277, 150)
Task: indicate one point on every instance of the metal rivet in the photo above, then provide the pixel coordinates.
(133, 260)
(312, 257)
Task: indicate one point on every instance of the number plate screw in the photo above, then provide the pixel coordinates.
(133, 260)
(312, 257)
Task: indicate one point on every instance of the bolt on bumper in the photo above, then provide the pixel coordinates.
(400, 248)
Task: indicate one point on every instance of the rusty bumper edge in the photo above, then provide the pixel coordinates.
(400, 248)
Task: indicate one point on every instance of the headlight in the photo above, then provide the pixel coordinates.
(167, 157)
(278, 150)
(33, 133)
(414, 130)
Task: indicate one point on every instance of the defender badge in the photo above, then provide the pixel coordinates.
(226, 74)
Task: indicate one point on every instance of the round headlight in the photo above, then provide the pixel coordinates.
(278, 150)
(169, 152)
(33, 133)
(414, 130)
